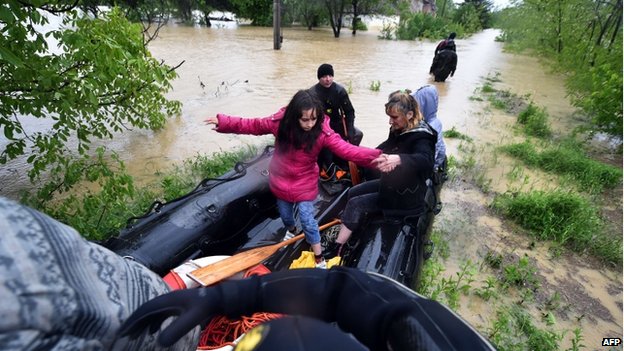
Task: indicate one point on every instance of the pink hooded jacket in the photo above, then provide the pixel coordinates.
(294, 175)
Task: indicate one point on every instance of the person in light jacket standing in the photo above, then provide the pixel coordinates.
(427, 97)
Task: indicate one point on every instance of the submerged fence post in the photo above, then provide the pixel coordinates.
(277, 38)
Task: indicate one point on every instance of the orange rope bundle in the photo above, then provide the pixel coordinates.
(222, 331)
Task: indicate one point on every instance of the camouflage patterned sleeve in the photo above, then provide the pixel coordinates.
(62, 292)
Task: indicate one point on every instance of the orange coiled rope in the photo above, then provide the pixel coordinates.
(222, 331)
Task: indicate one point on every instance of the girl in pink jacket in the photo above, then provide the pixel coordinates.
(301, 130)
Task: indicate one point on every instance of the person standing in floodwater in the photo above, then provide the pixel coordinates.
(443, 65)
(445, 59)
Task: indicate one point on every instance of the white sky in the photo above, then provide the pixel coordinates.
(498, 4)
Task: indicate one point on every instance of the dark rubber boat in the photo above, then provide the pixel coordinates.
(394, 246)
(237, 211)
(219, 217)
(213, 219)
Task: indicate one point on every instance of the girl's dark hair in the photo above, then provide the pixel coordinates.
(290, 134)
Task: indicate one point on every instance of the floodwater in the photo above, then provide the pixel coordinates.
(234, 70)
(242, 75)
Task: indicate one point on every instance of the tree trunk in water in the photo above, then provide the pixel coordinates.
(335, 15)
(355, 16)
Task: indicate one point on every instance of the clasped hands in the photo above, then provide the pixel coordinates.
(386, 163)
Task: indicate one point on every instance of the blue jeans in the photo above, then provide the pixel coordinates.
(306, 216)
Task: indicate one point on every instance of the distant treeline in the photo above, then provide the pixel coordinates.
(417, 19)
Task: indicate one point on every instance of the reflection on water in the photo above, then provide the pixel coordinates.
(236, 71)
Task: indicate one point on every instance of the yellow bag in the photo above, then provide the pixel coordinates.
(306, 260)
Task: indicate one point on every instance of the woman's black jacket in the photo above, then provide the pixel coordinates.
(404, 187)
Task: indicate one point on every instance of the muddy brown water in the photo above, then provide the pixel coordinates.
(242, 75)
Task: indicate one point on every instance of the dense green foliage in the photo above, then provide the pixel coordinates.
(260, 12)
(422, 25)
(464, 19)
(482, 9)
(582, 39)
(94, 214)
(100, 80)
(309, 13)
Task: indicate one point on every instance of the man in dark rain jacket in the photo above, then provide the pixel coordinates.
(444, 64)
(445, 59)
(337, 106)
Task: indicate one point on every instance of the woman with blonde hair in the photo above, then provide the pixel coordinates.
(405, 165)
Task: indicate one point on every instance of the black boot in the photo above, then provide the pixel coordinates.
(333, 249)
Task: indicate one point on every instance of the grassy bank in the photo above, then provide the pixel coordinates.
(518, 307)
(571, 215)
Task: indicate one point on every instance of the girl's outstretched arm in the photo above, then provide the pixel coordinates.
(240, 125)
(212, 120)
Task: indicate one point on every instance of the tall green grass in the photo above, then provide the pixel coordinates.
(455, 134)
(563, 217)
(514, 329)
(185, 177)
(535, 122)
(591, 176)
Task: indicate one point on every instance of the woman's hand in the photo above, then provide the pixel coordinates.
(387, 163)
(212, 120)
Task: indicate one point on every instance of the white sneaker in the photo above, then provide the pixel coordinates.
(288, 235)
(322, 264)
